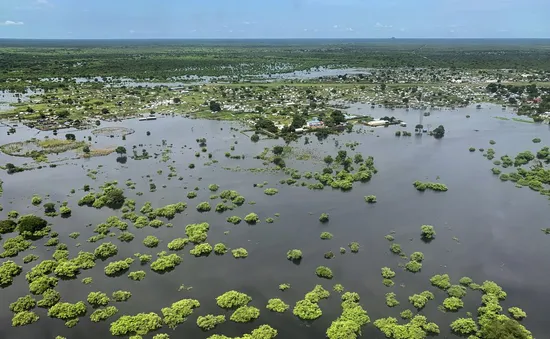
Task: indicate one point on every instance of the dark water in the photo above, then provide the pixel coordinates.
(497, 225)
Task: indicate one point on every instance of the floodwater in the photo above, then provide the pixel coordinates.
(486, 229)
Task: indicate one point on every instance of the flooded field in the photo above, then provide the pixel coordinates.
(486, 229)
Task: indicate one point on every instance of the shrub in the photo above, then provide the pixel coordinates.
(177, 244)
(324, 272)
(25, 303)
(406, 314)
(234, 220)
(203, 207)
(413, 266)
(49, 298)
(417, 256)
(232, 299)
(453, 304)
(120, 296)
(42, 284)
(284, 287)
(326, 235)
(464, 326)
(30, 224)
(220, 249)
(36, 200)
(30, 258)
(442, 281)
(106, 250)
(395, 248)
(338, 288)
(139, 324)
(7, 226)
(390, 300)
(209, 322)
(191, 195)
(472, 149)
(98, 299)
(427, 231)
(490, 287)
(103, 314)
(201, 250)
(271, 191)
(387, 273)
(24, 318)
(324, 217)
(165, 263)
(213, 187)
(137, 275)
(239, 253)
(151, 241)
(457, 291)
(245, 314)
(371, 199)
(354, 247)
(178, 311)
(252, 218)
(277, 305)
(197, 233)
(517, 313)
(294, 255)
(116, 267)
(125, 236)
(67, 311)
(66, 269)
(420, 300)
(307, 310)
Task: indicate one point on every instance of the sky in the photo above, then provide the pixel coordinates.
(183, 19)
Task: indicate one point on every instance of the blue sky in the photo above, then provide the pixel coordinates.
(102, 19)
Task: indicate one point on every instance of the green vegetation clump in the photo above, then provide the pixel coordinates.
(417, 256)
(67, 269)
(36, 200)
(317, 294)
(151, 241)
(177, 244)
(125, 236)
(395, 248)
(422, 186)
(418, 327)
(136, 325)
(120, 296)
(116, 267)
(234, 220)
(390, 300)
(203, 249)
(491, 288)
(213, 187)
(67, 311)
(191, 195)
(339, 288)
(406, 314)
(98, 299)
(106, 250)
(210, 321)
(466, 281)
(453, 304)
(371, 199)
(326, 235)
(220, 249)
(271, 191)
(307, 310)
(413, 266)
(50, 297)
(353, 317)
(457, 291)
(245, 314)
(442, 281)
(239, 253)
(252, 218)
(25, 303)
(197, 233)
(65, 211)
(536, 140)
(204, 207)
(464, 326)
(420, 300)
(517, 313)
(427, 232)
(354, 247)
(284, 287)
(324, 272)
(30, 258)
(387, 273)
(233, 299)
(7, 226)
(24, 318)
(324, 217)
(103, 314)
(29, 224)
(137, 275)
(472, 149)
(165, 263)
(87, 280)
(178, 312)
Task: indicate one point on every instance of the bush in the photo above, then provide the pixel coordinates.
(390, 300)
(213, 187)
(177, 244)
(25, 303)
(36, 200)
(234, 220)
(271, 191)
(413, 266)
(387, 273)
(442, 281)
(324, 272)
(65, 211)
(220, 249)
(453, 304)
(420, 300)
(203, 249)
(209, 322)
(427, 231)
(294, 255)
(417, 256)
(245, 314)
(457, 291)
(326, 235)
(252, 218)
(165, 263)
(255, 137)
(307, 310)
(472, 149)
(239, 253)
(203, 207)
(324, 217)
(24, 318)
(7, 226)
(371, 199)
(66, 269)
(232, 299)
(277, 305)
(29, 224)
(117, 267)
(49, 298)
(98, 299)
(517, 313)
(139, 324)
(137, 275)
(125, 236)
(197, 233)
(395, 248)
(354, 247)
(67, 311)
(151, 241)
(464, 326)
(106, 250)
(103, 314)
(120, 296)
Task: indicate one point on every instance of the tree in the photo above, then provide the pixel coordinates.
(298, 122)
(214, 106)
(278, 150)
(31, 223)
(255, 137)
(49, 207)
(121, 150)
(176, 100)
(266, 124)
(504, 329)
(328, 160)
(86, 149)
(337, 117)
(439, 132)
(70, 136)
(104, 111)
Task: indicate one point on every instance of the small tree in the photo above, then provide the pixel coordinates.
(121, 150)
(70, 136)
(278, 150)
(86, 149)
(439, 132)
(31, 223)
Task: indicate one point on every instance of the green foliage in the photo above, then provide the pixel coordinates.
(387, 273)
(517, 313)
(165, 262)
(354, 247)
(220, 249)
(406, 314)
(201, 250)
(13, 246)
(177, 244)
(103, 314)
(442, 281)
(339, 288)
(391, 301)
(371, 199)
(252, 218)
(307, 310)
(116, 267)
(353, 317)
(326, 235)
(453, 304)
(317, 294)
(466, 281)
(7, 226)
(178, 312)
(491, 288)
(25, 303)
(67, 311)
(234, 220)
(29, 224)
(324, 272)
(417, 328)
(151, 241)
(420, 300)
(139, 324)
(464, 326)
(125, 236)
(422, 186)
(271, 191)
(65, 211)
(210, 321)
(457, 291)
(232, 299)
(417, 256)
(24, 318)
(239, 253)
(245, 314)
(49, 298)
(395, 248)
(87, 280)
(427, 231)
(439, 132)
(284, 287)
(67, 269)
(106, 250)
(204, 207)
(197, 233)
(137, 275)
(120, 296)
(98, 299)
(413, 266)
(30, 258)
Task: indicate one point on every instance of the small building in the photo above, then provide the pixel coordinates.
(376, 123)
(315, 124)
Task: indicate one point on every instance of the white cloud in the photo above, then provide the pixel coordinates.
(12, 23)
(349, 29)
(379, 25)
(335, 26)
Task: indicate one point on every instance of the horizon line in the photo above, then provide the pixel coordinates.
(295, 38)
